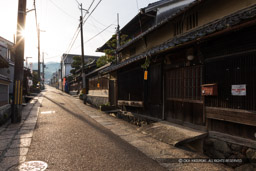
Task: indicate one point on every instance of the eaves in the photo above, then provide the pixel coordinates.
(225, 24)
(164, 21)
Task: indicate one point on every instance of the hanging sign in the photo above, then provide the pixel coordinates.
(146, 75)
(239, 90)
(64, 81)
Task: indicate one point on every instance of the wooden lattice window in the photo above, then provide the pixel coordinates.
(95, 81)
(178, 28)
(192, 21)
(184, 83)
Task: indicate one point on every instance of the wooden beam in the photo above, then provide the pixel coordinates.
(186, 100)
(232, 115)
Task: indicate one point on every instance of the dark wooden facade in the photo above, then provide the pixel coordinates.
(98, 83)
(131, 87)
(224, 54)
(173, 90)
(231, 60)
(154, 90)
(139, 95)
(183, 95)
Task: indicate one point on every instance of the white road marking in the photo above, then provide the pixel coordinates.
(48, 112)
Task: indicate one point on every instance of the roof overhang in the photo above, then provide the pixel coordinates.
(98, 70)
(164, 21)
(238, 20)
(158, 4)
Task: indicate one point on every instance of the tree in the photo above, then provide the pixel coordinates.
(35, 79)
(111, 51)
(101, 61)
(76, 64)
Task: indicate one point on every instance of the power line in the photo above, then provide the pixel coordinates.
(92, 11)
(98, 33)
(62, 10)
(98, 21)
(78, 31)
(77, 2)
(71, 44)
(95, 35)
(91, 5)
(100, 28)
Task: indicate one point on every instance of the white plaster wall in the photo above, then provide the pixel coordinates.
(99, 93)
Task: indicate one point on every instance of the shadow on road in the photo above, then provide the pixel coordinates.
(96, 126)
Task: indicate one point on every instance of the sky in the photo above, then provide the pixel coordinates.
(59, 20)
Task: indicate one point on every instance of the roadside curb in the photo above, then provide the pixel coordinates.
(15, 139)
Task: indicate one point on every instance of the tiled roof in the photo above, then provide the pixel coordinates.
(98, 69)
(208, 29)
(68, 58)
(173, 15)
(160, 3)
(140, 16)
(87, 66)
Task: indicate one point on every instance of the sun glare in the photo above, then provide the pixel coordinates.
(24, 34)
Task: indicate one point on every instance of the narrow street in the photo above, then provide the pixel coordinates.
(67, 139)
(128, 85)
(58, 130)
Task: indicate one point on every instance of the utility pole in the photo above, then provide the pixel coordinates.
(38, 39)
(117, 38)
(19, 64)
(82, 49)
(39, 63)
(43, 70)
(61, 75)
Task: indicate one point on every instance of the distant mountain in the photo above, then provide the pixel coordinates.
(51, 67)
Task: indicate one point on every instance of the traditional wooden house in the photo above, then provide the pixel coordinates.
(54, 80)
(195, 67)
(67, 60)
(75, 85)
(99, 87)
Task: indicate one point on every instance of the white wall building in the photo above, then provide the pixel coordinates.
(67, 60)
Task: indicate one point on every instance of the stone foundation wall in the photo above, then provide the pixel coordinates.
(5, 113)
(219, 149)
(96, 100)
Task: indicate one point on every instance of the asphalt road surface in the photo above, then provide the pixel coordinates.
(67, 139)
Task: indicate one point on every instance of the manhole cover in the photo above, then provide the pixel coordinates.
(33, 166)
